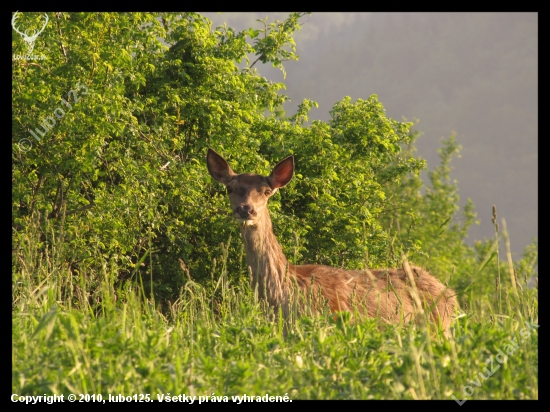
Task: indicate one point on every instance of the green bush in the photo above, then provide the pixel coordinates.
(134, 147)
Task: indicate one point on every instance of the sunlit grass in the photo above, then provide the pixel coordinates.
(71, 336)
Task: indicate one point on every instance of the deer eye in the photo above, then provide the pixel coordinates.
(229, 190)
(268, 192)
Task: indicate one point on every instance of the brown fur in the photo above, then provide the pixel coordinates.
(387, 294)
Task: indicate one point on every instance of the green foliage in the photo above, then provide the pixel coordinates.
(276, 36)
(426, 224)
(123, 171)
(223, 343)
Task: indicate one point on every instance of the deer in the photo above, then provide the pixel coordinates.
(388, 294)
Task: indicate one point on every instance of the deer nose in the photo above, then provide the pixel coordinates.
(245, 211)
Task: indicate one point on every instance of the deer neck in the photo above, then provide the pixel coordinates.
(267, 262)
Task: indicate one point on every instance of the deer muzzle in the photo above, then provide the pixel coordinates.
(245, 212)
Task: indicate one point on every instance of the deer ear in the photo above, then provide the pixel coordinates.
(282, 173)
(218, 167)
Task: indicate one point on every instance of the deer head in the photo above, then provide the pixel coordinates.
(248, 192)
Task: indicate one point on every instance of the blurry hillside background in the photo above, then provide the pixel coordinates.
(472, 74)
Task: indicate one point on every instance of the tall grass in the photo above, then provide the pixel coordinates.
(86, 333)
